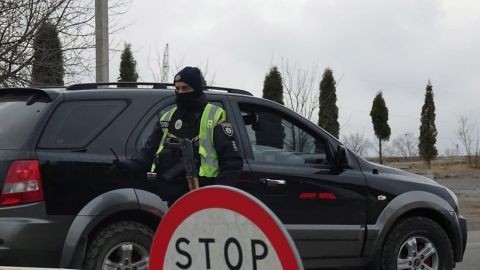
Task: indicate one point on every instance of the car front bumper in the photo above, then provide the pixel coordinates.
(463, 232)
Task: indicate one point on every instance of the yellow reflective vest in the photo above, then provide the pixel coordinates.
(211, 116)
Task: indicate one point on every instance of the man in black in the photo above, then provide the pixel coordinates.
(217, 159)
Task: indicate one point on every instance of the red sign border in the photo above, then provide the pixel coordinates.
(224, 197)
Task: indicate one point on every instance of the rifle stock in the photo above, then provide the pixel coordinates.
(193, 183)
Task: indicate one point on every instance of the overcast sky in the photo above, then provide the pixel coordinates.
(392, 46)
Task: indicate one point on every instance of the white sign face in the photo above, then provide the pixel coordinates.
(220, 227)
(218, 238)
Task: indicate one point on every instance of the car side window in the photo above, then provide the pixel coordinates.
(76, 123)
(147, 130)
(275, 138)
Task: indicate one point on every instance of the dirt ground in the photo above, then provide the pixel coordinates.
(467, 189)
(458, 177)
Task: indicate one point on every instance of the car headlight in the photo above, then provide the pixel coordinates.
(454, 196)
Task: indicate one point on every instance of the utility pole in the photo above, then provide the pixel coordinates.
(165, 66)
(101, 40)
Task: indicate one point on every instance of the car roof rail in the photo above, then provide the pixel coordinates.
(229, 90)
(90, 86)
(47, 86)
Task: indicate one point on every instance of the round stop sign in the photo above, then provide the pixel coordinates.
(220, 227)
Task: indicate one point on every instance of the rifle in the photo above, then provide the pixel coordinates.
(191, 172)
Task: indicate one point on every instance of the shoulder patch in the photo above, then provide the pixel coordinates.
(227, 128)
(164, 124)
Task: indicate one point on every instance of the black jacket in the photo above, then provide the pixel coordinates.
(229, 159)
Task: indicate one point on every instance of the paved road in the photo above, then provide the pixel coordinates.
(471, 259)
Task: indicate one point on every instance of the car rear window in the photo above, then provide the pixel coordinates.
(19, 115)
(76, 123)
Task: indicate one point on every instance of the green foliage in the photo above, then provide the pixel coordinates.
(273, 86)
(128, 66)
(428, 131)
(47, 67)
(328, 113)
(379, 114)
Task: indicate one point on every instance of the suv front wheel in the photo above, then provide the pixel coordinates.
(119, 246)
(417, 243)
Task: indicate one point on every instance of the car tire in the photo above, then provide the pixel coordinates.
(416, 243)
(120, 245)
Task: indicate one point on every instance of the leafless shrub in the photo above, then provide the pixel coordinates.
(357, 143)
(469, 135)
(406, 145)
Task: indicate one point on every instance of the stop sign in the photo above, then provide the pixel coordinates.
(219, 227)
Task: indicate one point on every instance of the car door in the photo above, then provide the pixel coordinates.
(292, 172)
(145, 128)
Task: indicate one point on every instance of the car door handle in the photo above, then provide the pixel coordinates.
(273, 182)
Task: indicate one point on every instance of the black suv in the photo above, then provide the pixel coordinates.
(64, 202)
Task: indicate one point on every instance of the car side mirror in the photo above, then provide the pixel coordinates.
(341, 161)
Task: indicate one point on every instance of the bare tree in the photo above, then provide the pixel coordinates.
(475, 158)
(208, 80)
(178, 63)
(156, 68)
(300, 89)
(74, 21)
(469, 136)
(451, 153)
(389, 150)
(386, 147)
(300, 95)
(357, 143)
(405, 145)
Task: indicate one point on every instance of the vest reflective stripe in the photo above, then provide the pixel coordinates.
(211, 116)
(166, 117)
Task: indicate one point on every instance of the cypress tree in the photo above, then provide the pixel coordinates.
(47, 68)
(271, 131)
(273, 86)
(428, 131)
(379, 114)
(128, 66)
(328, 113)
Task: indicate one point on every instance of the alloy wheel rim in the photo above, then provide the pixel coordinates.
(418, 253)
(126, 256)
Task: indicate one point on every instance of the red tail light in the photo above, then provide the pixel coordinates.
(22, 184)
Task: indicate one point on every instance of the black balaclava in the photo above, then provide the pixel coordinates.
(195, 100)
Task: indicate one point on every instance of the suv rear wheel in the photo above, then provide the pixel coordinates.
(120, 246)
(417, 243)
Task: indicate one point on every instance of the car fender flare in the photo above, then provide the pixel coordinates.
(400, 205)
(97, 210)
